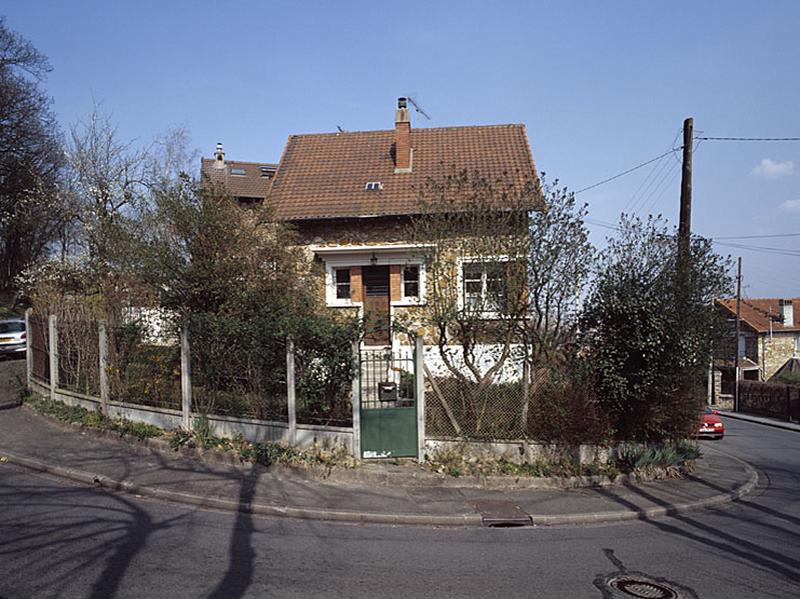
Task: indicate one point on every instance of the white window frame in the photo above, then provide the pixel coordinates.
(364, 258)
(412, 300)
(460, 262)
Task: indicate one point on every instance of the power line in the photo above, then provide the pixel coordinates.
(748, 138)
(623, 173)
(760, 236)
(761, 249)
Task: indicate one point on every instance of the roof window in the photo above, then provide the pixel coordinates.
(267, 171)
(238, 171)
(373, 186)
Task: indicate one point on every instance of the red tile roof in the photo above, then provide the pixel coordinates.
(757, 313)
(322, 176)
(250, 185)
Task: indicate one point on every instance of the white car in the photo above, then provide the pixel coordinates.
(12, 337)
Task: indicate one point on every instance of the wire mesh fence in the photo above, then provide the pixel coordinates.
(40, 355)
(143, 371)
(78, 356)
(324, 383)
(238, 369)
(479, 404)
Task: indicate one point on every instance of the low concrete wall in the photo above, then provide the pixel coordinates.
(256, 431)
(521, 451)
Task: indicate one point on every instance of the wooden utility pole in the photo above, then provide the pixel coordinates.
(738, 332)
(685, 222)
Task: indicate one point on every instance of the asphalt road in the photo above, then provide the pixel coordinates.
(58, 539)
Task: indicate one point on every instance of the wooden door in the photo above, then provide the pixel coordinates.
(376, 305)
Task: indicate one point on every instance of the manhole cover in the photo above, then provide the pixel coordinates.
(501, 514)
(641, 587)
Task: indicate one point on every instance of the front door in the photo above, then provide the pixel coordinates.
(376, 305)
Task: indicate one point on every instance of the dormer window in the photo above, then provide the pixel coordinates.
(238, 171)
(373, 186)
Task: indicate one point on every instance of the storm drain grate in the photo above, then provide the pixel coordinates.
(643, 588)
(501, 514)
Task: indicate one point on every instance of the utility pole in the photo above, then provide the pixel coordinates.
(738, 332)
(685, 222)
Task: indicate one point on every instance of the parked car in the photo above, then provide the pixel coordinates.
(710, 424)
(12, 337)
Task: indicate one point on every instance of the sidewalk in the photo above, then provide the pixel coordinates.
(766, 420)
(30, 440)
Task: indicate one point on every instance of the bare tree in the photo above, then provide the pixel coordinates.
(561, 258)
(474, 235)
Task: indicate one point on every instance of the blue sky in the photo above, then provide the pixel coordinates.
(601, 87)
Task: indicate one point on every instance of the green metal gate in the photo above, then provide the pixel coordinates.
(388, 403)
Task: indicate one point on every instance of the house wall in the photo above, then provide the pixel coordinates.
(357, 232)
(775, 350)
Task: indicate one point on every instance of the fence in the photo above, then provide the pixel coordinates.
(38, 356)
(770, 399)
(478, 404)
(127, 372)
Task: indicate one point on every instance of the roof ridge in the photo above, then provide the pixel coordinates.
(414, 129)
(227, 161)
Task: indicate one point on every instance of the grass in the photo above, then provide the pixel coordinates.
(91, 418)
(265, 453)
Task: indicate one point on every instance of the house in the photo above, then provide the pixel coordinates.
(247, 182)
(770, 337)
(351, 194)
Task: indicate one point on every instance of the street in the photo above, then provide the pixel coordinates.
(65, 540)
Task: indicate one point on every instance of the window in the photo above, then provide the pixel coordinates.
(411, 282)
(267, 172)
(342, 279)
(373, 186)
(484, 285)
(238, 171)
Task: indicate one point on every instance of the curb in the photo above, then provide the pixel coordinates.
(461, 520)
(787, 426)
(354, 476)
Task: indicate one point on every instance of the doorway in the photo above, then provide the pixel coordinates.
(377, 330)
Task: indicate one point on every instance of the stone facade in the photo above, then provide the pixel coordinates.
(775, 350)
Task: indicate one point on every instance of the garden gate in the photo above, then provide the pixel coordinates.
(388, 403)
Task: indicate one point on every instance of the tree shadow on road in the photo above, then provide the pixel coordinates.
(241, 561)
(715, 537)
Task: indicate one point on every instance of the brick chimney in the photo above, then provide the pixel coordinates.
(219, 157)
(403, 153)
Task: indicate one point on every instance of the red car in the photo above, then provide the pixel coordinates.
(710, 424)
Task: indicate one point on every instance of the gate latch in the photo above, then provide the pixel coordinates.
(387, 391)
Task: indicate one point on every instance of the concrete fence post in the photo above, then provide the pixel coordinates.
(356, 400)
(290, 391)
(419, 392)
(28, 345)
(53, 354)
(186, 378)
(102, 346)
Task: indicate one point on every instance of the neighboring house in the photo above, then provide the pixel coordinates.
(770, 337)
(247, 182)
(351, 194)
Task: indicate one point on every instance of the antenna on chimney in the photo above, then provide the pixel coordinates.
(418, 108)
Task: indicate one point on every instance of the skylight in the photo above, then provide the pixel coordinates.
(238, 171)
(373, 186)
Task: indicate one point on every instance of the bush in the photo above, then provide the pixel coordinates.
(566, 410)
(648, 340)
